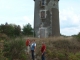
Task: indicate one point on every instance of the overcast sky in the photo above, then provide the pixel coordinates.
(21, 12)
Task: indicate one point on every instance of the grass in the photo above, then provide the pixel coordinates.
(57, 48)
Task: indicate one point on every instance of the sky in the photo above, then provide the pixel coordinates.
(21, 12)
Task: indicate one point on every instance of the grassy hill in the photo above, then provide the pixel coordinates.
(57, 48)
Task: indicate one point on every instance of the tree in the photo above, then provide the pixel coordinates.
(27, 29)
(17, 30)
(10, 29)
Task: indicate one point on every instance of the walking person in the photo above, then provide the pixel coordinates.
(33, 49)
(28, 46)
(43, 49)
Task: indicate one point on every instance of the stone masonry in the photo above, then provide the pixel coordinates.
(51, 22)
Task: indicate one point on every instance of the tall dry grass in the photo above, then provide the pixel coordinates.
(58, 47)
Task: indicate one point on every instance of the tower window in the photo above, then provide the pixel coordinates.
(43, 14)
(43, 2)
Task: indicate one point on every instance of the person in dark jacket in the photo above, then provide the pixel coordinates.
(43, 49)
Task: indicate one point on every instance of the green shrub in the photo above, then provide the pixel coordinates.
(61, 44)
(61, 56)
(78, 37)
(14, 49)
(49, 53)
(72, 56)
(52, 53)
(3, 36)
(78, 55)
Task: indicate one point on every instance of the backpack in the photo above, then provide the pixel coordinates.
(33, 45)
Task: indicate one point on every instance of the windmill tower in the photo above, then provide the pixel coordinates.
(46, 18)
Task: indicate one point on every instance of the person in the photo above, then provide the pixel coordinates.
(33, 49)
(28, 46)
(43, 49)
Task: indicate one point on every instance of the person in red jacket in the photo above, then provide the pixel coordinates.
(28, 45)
(43, 49)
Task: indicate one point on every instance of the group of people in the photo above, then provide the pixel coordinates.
(31, 47)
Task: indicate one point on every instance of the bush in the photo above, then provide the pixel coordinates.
(61, 56)
(78, 55)
(14, 49)
(78, 37)
(63, 44)
(72, 57)
(3, 36)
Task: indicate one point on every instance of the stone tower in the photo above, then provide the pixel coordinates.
(46, 18)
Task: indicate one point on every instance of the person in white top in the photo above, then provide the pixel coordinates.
(33, 48)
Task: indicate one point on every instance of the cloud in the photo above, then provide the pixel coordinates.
(69, 21)
(70, 31)
(16, 12)
(28, 20)
(21, 12)
(23, 20)
(69, 16)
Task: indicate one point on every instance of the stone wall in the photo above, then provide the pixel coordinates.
(52, 17)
